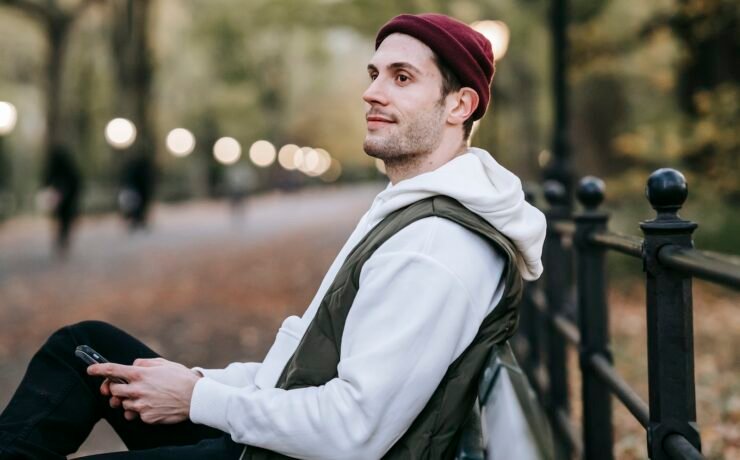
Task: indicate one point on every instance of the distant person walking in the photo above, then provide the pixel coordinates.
(240, 181)
(63, 182)
(138, 180)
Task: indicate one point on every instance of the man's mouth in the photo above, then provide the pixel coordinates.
(376, 121)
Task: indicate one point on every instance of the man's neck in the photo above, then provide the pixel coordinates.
(404, 168)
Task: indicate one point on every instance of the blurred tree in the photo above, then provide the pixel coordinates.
(708, 83)
(5, 182)
(131, 49)
(658, 84)
(56, 18)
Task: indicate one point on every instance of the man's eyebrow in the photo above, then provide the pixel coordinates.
(396, 66)
(404, 66)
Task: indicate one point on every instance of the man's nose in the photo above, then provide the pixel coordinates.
(374, 93)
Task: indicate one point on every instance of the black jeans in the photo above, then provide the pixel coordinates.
(57, 405)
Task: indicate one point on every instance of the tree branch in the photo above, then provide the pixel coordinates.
(83, 5)
(29, 8)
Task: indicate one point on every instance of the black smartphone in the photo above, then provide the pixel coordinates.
(91, 356)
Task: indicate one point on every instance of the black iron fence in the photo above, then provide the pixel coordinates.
(568, 307)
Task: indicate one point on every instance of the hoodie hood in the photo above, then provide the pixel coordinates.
(485, 187)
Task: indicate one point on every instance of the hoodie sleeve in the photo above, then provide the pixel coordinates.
(411, 318)
(235, 374)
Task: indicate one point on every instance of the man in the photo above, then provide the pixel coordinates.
(385, 361)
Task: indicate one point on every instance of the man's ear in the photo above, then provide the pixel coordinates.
(466, 101)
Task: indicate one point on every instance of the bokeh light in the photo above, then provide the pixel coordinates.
(8, 117)
(262, 153)
(120, 133)
(227, 150)
(544, 157)
(299, 157)
(180, 142)
(498, 33)
(333, 172)
(324, 161)
(286, 156)
(311, 161)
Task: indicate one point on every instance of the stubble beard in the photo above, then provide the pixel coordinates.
(407, 143)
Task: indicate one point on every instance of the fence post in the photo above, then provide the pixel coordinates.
(528, 336)
(557, 276)
(593, 320)
(669, 317)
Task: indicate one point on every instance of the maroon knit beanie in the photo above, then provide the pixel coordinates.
(465, 51)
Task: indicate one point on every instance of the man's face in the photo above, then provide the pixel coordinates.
(405, 114)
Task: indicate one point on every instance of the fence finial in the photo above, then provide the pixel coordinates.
(555, 193)
(590, 192)
(667, 191)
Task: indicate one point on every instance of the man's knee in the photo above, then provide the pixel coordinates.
(84, 332)
(93, 327)
(94, 331)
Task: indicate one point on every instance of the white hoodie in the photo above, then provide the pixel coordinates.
(422, 298)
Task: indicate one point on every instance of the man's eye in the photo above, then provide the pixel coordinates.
(373, 76)
(403, 78)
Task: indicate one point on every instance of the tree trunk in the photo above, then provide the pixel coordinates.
(130, 43)
(57, 33)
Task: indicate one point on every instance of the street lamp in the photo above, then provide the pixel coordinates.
(333, 172)
(8, 117)
(559, 169)
(180, 142)
(286, 156)
(498, 33)
(227, 150)
(262, 153)
(120, 133)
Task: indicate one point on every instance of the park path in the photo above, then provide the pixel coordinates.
(202, 286)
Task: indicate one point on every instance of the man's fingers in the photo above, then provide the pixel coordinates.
(104, 389)
(124, 390)
(130, 415)
(110, 370)
(149, 362)
(115, 402)
(132, 405)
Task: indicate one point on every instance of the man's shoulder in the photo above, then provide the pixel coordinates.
(446, 242)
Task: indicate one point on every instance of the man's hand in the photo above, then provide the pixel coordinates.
(158, 391)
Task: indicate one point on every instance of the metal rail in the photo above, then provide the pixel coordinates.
(566, 328)
(560, 322)
(680, 448)
(572, 437)
(564, 228)
(626, 244)
(670, 263)
(701, 264)
(603, 368)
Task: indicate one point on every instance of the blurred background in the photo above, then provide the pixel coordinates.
(188, 169)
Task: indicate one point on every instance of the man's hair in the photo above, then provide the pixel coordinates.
(451, 83)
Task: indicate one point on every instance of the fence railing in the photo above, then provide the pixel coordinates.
(568, 307)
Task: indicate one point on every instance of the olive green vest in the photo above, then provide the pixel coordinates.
(435, 432)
